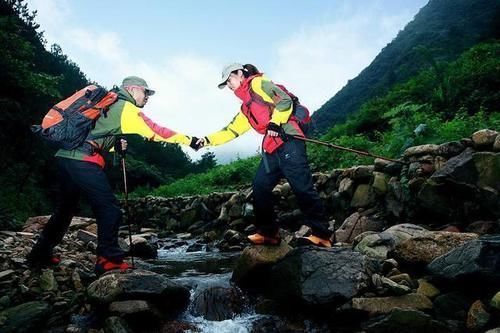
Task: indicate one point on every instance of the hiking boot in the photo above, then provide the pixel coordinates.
(104, 265)
(314, 240)
(260, 239)
(36, 259)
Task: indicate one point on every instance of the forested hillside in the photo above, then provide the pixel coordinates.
(32, 79)
(441, 31)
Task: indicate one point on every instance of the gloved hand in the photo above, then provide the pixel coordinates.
(197, 143)
(121, 145)
(275, 130)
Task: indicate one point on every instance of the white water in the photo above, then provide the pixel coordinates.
(198, 281)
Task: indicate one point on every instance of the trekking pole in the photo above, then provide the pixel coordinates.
(359, 152)
(127, 210)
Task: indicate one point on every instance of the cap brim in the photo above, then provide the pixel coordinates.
(150, 92)
(222, 85)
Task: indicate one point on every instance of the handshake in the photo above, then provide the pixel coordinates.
(198, 143)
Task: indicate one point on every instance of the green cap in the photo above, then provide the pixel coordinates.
(226, 71)
(137, 81)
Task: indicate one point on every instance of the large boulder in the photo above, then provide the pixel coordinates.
(424, 249)
(314, 277)
(378, 245)
(26, 317)
(218, 303)
(467, 186)
(477, 261)
(255, 262)
(140, 285)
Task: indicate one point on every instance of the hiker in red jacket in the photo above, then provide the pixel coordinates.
(271, 111)
(80, 172)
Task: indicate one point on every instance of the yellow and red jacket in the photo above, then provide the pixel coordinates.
(262, 102)
(123, 117)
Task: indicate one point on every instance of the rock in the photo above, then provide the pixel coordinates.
(26, 317)
(48, 281)
(453, 305)
(356, 224)
(128, 307)
(495, 330)
(384, 305)
(303, 231)
(236, 210)
(255, 262)
(428, 149)
(395, 198)
(377, 245)
(188, 217)
(474, 262)
(484, 138)
(363, 196)
(6, 274)
(139, 313)
(390, 168)
(315, 276)
(405, 320)
(487, 165)
(142, 248)
(466, 186)
(477, 317)
(248, 210)
(450, 149)
(86, 236)
(218, 303)
(361, 173)
(116, 325)
(426, 248)
(484, 227)
(383, 282)
(346, 187)
(379, 184)
(496, 144)
(427, 289)
(495, 301)
(139, 284)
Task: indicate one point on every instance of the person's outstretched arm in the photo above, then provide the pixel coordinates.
(133, 121)
(236, 127)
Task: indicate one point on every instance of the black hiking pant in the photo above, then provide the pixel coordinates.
(288, 161)
(77, 178)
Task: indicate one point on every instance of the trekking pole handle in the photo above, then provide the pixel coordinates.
(360, 152)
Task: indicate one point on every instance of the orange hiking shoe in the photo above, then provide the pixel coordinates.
(104, 265)
(259, 239)
(315, 240)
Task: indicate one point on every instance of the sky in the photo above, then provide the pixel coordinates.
(180, 47)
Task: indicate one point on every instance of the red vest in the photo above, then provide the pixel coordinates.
(259, 112)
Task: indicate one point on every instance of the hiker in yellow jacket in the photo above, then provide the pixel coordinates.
(269, 109)
(80, 172)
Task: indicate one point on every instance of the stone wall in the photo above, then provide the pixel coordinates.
(454, 183)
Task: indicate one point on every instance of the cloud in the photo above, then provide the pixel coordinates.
(317, 61)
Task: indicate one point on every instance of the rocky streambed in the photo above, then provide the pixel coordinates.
(417, 249)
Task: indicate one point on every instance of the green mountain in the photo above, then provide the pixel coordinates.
(441, 31)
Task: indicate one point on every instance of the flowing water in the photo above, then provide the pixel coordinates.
(198, 271)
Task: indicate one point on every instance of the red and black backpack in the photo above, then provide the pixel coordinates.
(69, 122)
